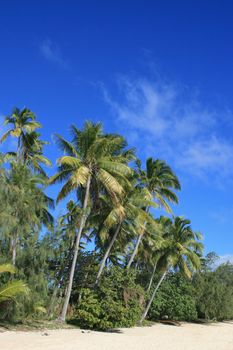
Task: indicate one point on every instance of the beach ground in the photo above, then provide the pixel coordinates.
(215, 336)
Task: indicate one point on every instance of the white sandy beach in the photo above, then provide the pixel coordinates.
(217, 336)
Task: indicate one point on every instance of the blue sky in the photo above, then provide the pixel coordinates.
(159, 72)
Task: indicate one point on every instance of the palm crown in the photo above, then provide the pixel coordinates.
(92, 154)
(30, 147)
(23, 122)
(161, 181)
(182, 247)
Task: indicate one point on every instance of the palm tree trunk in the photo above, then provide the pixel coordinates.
(135, 251)
(152, 297)
(152, 277)
(106, 255)
(14, 254)
(76, 248)
(137, 244)
(18, 150)
(60, 281)
(13, 247)
(53, 298)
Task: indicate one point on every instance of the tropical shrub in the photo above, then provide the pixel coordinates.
(214, 293)
(116, 302)
(175, 299)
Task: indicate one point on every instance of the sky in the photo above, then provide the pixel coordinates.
(158, 72)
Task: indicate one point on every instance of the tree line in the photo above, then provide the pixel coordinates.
(110, 253)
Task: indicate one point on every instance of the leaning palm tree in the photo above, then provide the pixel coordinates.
(12, 289)
(93, 162)
(23, 122)
(160, 180)
(128, 213)
(182, 250)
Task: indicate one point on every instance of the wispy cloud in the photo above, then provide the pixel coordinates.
(169, 121)
(51, 52)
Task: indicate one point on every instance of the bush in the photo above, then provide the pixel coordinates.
(117, 302)
(174, 299)
(214, 293)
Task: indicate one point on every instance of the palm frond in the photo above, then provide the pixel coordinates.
(110, 183)
(7, 268)
(12, 289)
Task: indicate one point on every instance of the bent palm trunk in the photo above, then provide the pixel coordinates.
(54, 295)
(152, 297)
(152, 277)
(61, 280)
(135, 251)
(106, 255)
(76, 248)
(137, 244)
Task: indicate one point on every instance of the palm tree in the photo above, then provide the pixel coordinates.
(23, 122)
(127, 214)
(30, 147)
(93, 163)
(33, 152)
(181, 250)
(12, 289)
(160, 180)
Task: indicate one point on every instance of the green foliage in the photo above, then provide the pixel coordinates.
(117, 302)
(32, 262)
(214, 293)
(11, 290)
(175, 299)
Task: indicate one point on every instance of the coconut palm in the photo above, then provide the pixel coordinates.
(33, 153)
(93, 163)
(12, 289)
(160, 180)
(23, 122)
(182, 250)
(129, 213)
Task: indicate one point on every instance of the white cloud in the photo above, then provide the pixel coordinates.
(143, 107)
(211, 155)
(52, 53)
(170, 122)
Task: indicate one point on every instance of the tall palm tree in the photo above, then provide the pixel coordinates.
(182, 250)
(160, 180)
(93, 162)
(23, 122)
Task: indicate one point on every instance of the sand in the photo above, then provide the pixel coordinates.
(217, 336)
